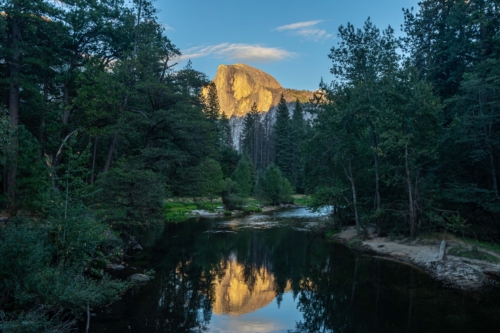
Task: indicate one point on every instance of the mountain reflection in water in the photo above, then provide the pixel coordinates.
(239, 292)
(263, 274)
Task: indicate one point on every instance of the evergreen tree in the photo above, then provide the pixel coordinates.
(282, 143)
(226, 137)
(298, 127)
(244, 176)
(252, 136)
(273, 187)
(211, 179)
(212, 105)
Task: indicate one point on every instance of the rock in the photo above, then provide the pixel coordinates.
(399, 254)
(492, 274)
(442, 250)
(132, 241)
(137, 247)
(140, 278)
(115, 267)
(240, 85)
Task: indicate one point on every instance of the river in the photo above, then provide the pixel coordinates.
(266, 273)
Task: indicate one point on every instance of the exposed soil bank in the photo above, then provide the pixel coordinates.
(455, 272)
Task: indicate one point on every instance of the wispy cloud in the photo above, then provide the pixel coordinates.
(298, 25)
(167, 27)
(314, 33)
(243, 52)
(306, 29)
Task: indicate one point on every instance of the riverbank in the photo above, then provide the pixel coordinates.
(182, 209)
(453, 270)
(234, 213)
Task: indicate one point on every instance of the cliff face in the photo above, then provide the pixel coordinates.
(239, 86)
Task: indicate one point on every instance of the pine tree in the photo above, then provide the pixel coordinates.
(298, 127)
(212, 105)
(271, 186)
(252, 136)
(282, 143)
(244, 176)
(225, 133)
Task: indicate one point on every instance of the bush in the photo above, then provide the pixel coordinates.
(131, 195)
(46, 269)
(272, 187)
(230, 196)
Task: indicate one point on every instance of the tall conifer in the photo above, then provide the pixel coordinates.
(282, 144)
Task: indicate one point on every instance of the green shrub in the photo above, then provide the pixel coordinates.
(272, 187)
(48, 266)
(131, 195)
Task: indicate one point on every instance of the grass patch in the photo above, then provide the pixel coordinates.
(301, 199)
(438, 236)
(178, 211)
(355, 243)
(485, 245)
(470, 254)
(252, 209)
(253, 202)
(332, 232)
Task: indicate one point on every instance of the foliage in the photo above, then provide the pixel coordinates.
(231, 197)
(272, 187)
(244, 176)
(282, 139)
(131, 195)
(211, 179)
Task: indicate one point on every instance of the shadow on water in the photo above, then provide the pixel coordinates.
(261, 274)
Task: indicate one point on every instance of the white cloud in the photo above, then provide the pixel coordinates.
(306, 29)
(298, 25)
(243, 52)
(314, 33)
(167, 27)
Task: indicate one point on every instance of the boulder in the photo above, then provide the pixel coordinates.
(140, 278)
(115, 267)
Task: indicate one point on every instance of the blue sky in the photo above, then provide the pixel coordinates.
(289, 39)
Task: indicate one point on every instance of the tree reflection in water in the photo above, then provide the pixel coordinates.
(200, 274)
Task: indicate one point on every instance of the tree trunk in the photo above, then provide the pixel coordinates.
(92, 175)
(354, 197)
(110, 153)
(13, 109)
(410, 194)
(41, 133)
(67, 111)
(493, 171)
(377, 179)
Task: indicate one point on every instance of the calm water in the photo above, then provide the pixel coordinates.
(264, 273)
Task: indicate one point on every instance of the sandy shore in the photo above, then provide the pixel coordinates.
(456, 272)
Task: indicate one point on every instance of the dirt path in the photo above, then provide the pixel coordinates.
(462, 273)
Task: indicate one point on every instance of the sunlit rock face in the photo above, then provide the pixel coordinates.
(240, 85)
(234, 296)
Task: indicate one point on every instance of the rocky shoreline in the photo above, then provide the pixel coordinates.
(452, 271)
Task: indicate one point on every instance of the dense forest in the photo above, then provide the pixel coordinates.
(407, 136)
(99, 126)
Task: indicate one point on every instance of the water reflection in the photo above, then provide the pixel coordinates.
(243, 289)
(244, 276)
